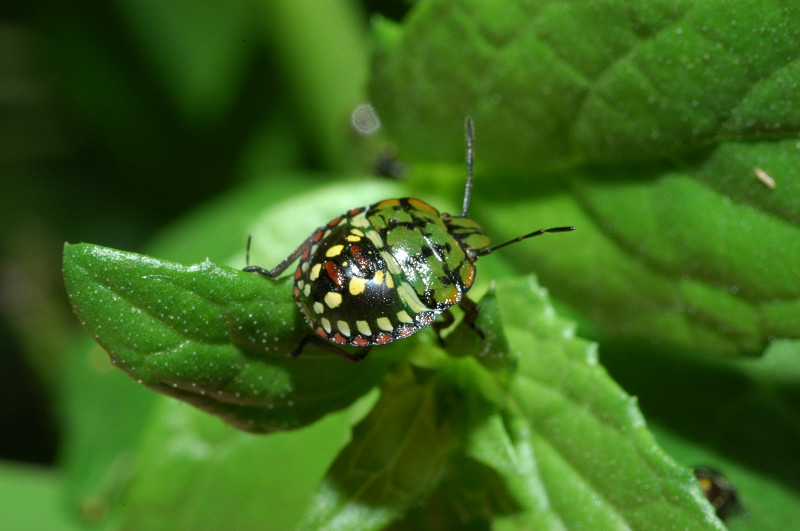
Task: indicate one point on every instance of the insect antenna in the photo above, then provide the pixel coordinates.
(468, 132)
(524, 237)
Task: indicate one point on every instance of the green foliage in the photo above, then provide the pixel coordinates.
(527, 409)
(641, 123)
(656, 117)
(212, 336)
(32, 499)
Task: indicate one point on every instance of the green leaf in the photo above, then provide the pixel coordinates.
(562, 82)
(212, 336)
(547, 441)
(537, 420)
(766, 501)
(105, 414)
(111, 475)
(396, 456)
(100, 458)
(644, 124)
(595, 461)
(197, 473)
(536, 63)
(739, 416)
(31, 498)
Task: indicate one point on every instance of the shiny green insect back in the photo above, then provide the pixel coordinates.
(382, 272)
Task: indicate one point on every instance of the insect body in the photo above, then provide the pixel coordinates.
(382, 272)
(385, 271)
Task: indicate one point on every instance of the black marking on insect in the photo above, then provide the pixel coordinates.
(382, 272)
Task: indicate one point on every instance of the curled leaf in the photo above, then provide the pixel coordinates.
(213, 336)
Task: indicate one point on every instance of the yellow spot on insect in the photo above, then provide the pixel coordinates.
(357, 232)
(410, 298)
(375, 238)
(326, 325)
(384, 323)
(764, 177)
(343, 327)
(357, 285)
(335, 250)
(304, 266)
(318, 307)
(363, 327)
(391, 263)
(314, 275)
(300, 284)
(403, 317)
(353, 238)
(389, 281)
(378, 278)
(333, 299)
(307, 290)
(360, 220)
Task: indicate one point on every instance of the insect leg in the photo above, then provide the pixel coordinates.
(280, 268)
(443, 322)
(358, 355)
(471, 310)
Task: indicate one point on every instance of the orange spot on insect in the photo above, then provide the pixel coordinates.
(416, 203)
(297, 274)
(296, 291)
(322, 333)
(360, 341)
(469, 275)
(333, 222)
(339, 338)
(405, 331)
(355, 211)
(317, 236)
(359, 258)
(388, 203)
(334, 273)
(450, 295)
(382, 338)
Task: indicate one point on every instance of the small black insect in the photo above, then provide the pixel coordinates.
(718, 491)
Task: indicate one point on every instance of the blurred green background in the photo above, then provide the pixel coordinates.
(117, 118)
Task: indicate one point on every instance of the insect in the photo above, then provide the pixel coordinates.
(719, 491)
(383, 272)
